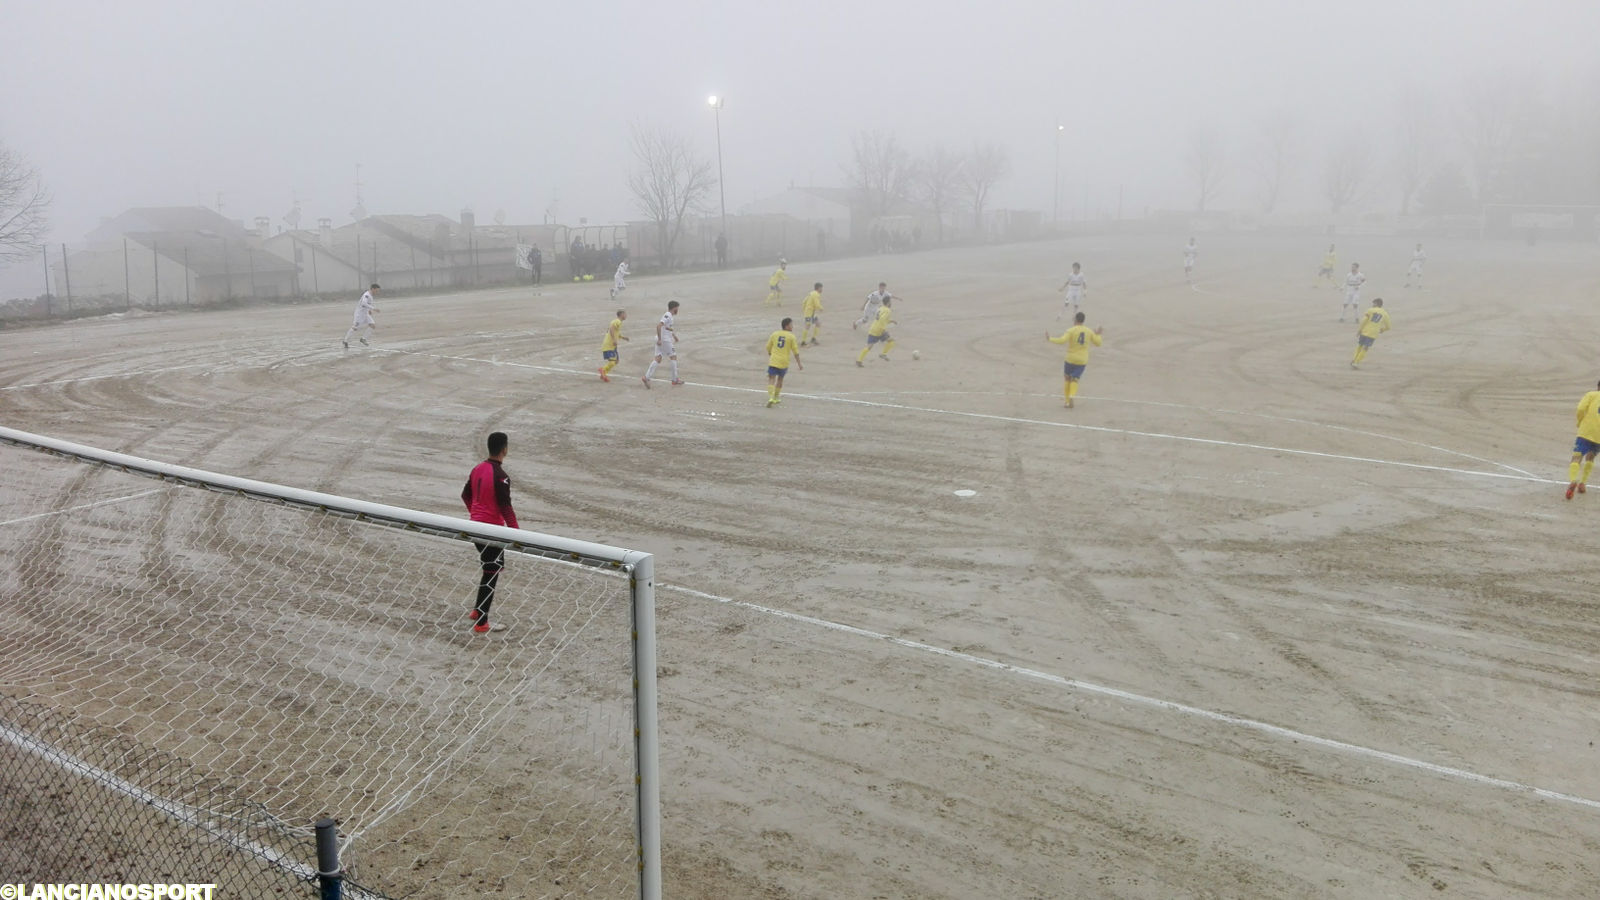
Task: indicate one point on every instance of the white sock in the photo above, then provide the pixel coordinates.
(675, 369)
(650, 372)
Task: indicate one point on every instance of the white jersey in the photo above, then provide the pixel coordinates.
(875, 300)
(1076, 284)
(666, 336)
(1190, 251)
(1417, 259)
(364, 309)
(622, 272)
(1352, 285)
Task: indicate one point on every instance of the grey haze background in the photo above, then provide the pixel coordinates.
(525, 106)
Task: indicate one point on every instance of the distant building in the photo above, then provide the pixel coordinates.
(168, 256)
(817, 209)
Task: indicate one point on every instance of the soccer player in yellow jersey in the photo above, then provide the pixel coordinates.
(1330, 261)
(781, 347)
(1079, 338)
(1587, 444)
(608, 346)
(810, 310)
(775, 283)
(879, 334)
(1374, 321)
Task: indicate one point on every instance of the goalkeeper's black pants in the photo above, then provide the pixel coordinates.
(494, 559)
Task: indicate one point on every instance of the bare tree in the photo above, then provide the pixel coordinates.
(1346, 175)
(669, 181)
(985, 166)
(1207, 162)
(939, 182)
(880, 172)
(1414, 147)
(23, 204)
(1277, 144)
(1491, 122)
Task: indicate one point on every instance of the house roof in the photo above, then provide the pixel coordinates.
(167, 219)
(210, 254)
(841, 196)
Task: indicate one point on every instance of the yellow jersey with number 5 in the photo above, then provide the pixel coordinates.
(780, 347)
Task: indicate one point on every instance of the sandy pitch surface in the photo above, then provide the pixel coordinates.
(1244, 623)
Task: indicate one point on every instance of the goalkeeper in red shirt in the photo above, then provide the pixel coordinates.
(488, 499)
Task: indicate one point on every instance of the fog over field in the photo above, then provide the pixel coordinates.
(525, 108)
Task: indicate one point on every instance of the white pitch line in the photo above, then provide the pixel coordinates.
(1516, 475)
(57, 512)
(18, 387)
(1185, 709)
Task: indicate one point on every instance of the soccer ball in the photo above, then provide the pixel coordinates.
(916, 355)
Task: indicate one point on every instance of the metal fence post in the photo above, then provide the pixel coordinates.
(127, 291)
(188, 276)
(46, 249)
(66, 275)
(329, 875)
(155, 267)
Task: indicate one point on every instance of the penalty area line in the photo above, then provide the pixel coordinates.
(1172, 706)
(1020, 420)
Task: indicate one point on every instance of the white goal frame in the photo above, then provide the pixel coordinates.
(637, 565)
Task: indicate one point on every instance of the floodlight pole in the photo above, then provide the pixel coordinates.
(722, 192)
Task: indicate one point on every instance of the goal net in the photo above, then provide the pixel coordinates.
(195, 667)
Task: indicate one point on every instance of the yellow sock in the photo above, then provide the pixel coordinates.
(1357, 357)
(1572, 471)
(864, 351)
(1072, 389)
(887, 347)
(1588, 466)
(610, 364)
(1066, 390)
(772, 392)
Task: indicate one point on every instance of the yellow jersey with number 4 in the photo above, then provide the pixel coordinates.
(1078, 338)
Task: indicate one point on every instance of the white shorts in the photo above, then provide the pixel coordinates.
(1074, 295)
(618, 285)
(363, 319)
(1352, 297)
(666, 349)
(1416, 269)
(1188, 262)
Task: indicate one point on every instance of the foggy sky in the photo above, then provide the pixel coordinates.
(522, 106)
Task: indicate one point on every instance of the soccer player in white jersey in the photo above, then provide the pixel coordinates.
(1415, 272)
(666, 345)
(363, 320)
(1352, 292)
(620, 282)
(869, 310)
(1190, 251)
(1076, 287)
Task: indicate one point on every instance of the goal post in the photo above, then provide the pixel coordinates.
(300, 649)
